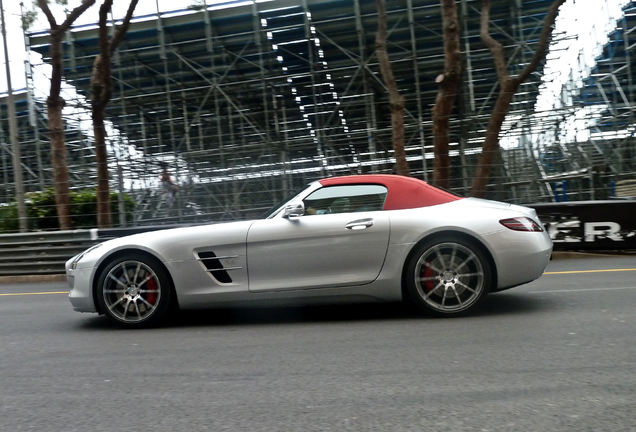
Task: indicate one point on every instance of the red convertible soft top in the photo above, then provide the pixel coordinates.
(403, 192)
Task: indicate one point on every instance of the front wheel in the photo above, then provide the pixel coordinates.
(134, 291)
(448, 276)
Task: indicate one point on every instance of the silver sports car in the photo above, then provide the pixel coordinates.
(379, 237)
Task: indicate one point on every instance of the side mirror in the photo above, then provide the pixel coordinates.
(294, 210)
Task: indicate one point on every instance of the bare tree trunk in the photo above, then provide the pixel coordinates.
(448, 85)
(54, 105)
(101, 92)
(101, 157)
(396, 101)
(58, 161)
(491, 142)
(508, 86)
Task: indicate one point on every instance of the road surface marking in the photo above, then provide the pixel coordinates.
(582, 290)
(589, 271)
(33, 293)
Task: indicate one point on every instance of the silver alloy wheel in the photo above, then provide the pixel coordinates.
(449, 277)
(131, 291)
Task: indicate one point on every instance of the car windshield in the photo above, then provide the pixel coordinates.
(272, 211)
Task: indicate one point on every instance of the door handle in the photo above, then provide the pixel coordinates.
(359, 224)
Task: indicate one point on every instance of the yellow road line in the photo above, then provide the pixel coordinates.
(589, 271)
(577, 290)
(33, 293)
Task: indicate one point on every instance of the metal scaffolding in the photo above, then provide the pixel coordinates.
(248, 101)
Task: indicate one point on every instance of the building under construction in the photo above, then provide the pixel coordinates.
(244, 102)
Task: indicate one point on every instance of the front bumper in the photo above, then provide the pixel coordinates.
(80, 294)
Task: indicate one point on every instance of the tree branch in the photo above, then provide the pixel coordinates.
(396, 101)
(446, 93)
(101, 69)
(495, 47)
(103, 27)
(123, 28)
(75, 13)
(381, 51)
(450, 28)
(544, 41)
(47, 12)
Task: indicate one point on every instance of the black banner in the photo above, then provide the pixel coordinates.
(586, 225)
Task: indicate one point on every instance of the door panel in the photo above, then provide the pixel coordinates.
(317, 251)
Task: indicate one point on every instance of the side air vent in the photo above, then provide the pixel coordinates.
(214, 266)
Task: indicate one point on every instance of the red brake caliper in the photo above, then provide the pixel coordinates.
(428, 284)
(151, 286)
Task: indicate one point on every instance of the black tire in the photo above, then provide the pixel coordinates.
(448, 276)
(134, 290)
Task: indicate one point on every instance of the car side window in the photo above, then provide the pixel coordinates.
(345, 199)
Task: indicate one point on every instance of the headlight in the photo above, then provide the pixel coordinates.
(81, 255)
(92, 248)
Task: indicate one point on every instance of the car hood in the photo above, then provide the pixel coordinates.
(176, 244)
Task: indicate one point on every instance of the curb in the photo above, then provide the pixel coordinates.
(33, 278)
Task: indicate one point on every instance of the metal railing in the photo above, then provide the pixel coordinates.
(45, 252)
(41, 253)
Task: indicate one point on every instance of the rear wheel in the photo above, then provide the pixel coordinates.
(134, 291)
(448, 276)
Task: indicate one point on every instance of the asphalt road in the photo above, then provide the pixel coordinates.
(554, 355)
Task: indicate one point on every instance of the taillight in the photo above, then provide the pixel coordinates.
(521, 224)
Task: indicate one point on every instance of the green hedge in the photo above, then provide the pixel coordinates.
(42, 214)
